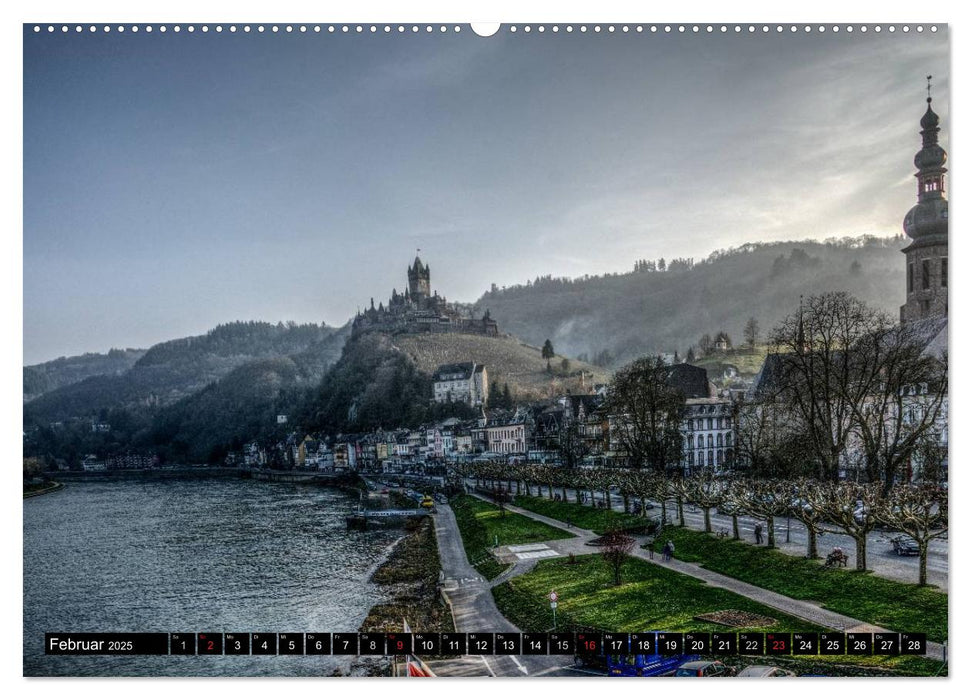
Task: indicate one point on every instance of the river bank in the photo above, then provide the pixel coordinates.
(411, 573)
(43, 489)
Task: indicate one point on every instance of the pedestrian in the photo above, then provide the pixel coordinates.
(666, 552)
(650, 548)
(758, 533)
(670, 546)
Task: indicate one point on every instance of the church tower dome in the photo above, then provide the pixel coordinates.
(928, 218)
(927, 224)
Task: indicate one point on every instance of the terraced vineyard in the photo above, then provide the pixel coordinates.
(507, 360)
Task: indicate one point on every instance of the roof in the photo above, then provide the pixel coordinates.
(465, 368)
(932, 333)
(690, 380)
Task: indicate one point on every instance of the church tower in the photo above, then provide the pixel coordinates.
(419, 281)
(926, 224)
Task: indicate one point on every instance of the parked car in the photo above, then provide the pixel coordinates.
(765, 672)
(905, 546)
(704, 669)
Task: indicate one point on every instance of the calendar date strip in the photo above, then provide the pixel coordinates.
(484, 643)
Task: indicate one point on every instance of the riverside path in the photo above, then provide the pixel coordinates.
(474, 610)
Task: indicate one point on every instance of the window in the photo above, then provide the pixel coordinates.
(925, 274)
(910, 278)
(943, 272)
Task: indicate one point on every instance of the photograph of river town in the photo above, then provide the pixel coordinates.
(554, 350)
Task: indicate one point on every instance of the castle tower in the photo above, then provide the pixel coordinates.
(419, 281)
(926, 224)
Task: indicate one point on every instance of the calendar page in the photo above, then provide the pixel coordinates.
(674, 401)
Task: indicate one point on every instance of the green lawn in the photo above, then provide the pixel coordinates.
(898, 606)
(654, 598)
(649, 598)
(599, 520)
(482, 525)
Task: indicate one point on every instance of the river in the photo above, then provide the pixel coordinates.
(215, 555)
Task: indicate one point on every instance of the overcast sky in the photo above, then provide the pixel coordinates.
(174, 182)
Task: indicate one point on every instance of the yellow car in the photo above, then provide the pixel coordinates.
(427, 502)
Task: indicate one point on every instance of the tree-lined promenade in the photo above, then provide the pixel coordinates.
(919, 511)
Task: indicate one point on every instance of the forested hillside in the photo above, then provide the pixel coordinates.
(189, 400)
(48, 376)
(667, 305)
(172, 370)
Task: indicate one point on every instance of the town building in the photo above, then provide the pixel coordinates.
(509, 432)
(462, 382)
(91, 463)
(709, 433)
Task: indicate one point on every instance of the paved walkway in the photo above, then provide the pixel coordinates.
(474, 610)
(805, 610)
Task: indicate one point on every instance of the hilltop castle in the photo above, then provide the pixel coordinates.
(420, 310)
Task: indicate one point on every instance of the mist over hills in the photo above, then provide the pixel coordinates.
(172, 370)
(194, 399)
(663, 306)
(48, 376)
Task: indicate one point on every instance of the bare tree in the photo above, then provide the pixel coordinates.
(678, 487)
(705, 344)
(759, 429)
(732, 504)
(646, 414)
(706, 492)
(820, 376)
(919, 511)
(641, 484)
(764, 499)
(615, 547)
(904, 406)
(751, 332)
(660, 489)
(806, 507)
(929, 459)
(572, 445)
(854, 508)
